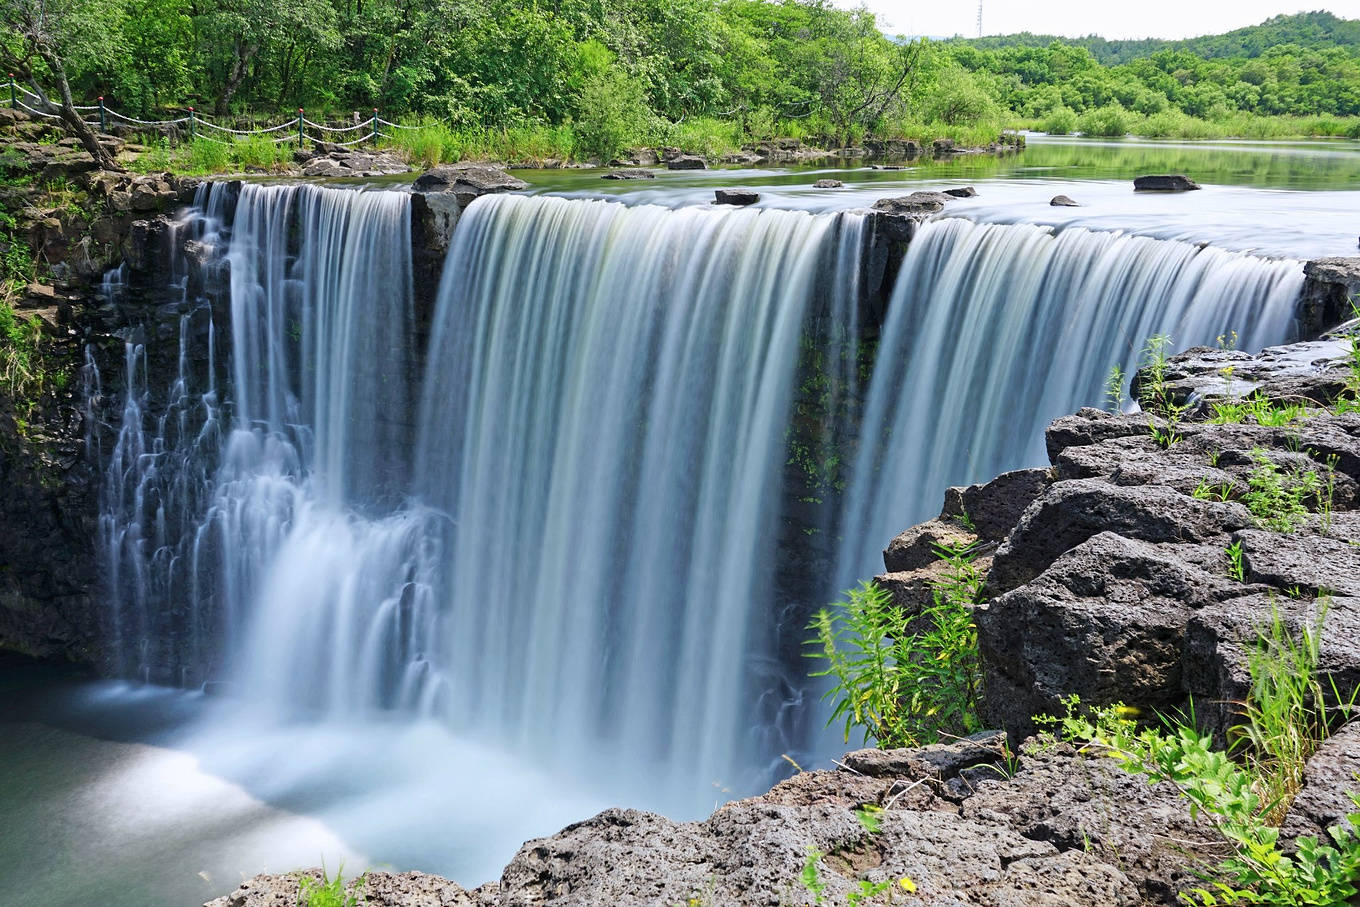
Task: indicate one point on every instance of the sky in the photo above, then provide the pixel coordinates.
(1076, 18)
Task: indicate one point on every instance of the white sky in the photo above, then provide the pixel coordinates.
(1075, 18)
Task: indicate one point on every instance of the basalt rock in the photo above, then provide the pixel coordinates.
(1330, 775)
(467, 181)
(961, 191)
(1072, 511)
(687, 162)
(1329, 284)
(1171, 182)
(739, 197)
(634, 173)
(827, 184)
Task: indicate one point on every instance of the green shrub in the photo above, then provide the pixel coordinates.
(1256, 871)
(612, 114)
(1060, 121)
(1111, 121)
(20, 375)
(957, 99)
(905, 679)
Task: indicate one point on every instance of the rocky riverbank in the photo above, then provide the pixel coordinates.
(1128, 571)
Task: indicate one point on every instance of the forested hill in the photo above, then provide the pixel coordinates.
(1312, 31)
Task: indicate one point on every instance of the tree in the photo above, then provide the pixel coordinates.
(43, 35)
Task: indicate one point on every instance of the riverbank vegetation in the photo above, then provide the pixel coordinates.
(573, 80)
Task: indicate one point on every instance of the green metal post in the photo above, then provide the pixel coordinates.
(103, 121)
(191, 124)
(373, 136)
(13, 97)
(301, 136)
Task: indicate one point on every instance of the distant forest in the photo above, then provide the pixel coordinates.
(593, 76)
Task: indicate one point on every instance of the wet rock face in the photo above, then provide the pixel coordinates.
(738, 197)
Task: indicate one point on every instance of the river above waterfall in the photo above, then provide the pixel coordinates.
(1293, 198)
(611, 423)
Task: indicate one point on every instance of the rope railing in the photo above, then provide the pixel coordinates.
(369, 127)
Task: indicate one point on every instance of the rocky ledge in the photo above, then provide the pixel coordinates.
(1109, 575)
(967, 823)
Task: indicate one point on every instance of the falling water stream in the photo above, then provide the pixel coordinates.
(561, 540)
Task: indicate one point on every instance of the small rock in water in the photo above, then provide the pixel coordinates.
(735, 197)
(687, 162)
(827, 184)
(1062, 201)
(961, 192)
(1169, 182)
(631, 173)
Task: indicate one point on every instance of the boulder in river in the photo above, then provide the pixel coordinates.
(960, 191)
(735, 197)
(1169, 182)
(471, 180)
(687, 162)
(827, 184)
(629, 173)
(1062, 201)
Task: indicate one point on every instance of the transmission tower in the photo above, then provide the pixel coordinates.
(979, 18)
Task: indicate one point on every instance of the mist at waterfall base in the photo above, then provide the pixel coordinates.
(559, 586)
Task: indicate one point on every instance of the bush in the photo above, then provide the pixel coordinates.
(905, 679)
(1111, 121)
(1060, 121)
(611, 114)
(958, 100)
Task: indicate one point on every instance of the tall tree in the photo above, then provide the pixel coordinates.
(43, 35)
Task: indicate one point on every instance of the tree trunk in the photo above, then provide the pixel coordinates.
(70, 117)
(244, 54)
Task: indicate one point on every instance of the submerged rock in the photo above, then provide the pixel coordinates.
(1062, 201)
(1171, 182)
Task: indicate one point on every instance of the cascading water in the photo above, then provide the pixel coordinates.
(604, 423)
(995, 330)
(576, 545)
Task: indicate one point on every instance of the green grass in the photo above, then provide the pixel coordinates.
(1277, 498)
(329, 891)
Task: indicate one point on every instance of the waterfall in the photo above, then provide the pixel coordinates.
(604, 422)
(645, 443)
(995, 330)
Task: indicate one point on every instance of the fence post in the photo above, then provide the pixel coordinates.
(103, 122)
(373, 135)
(191, 124)
(301, 135)
(13, 97)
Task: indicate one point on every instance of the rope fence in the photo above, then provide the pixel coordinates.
(371, 127)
